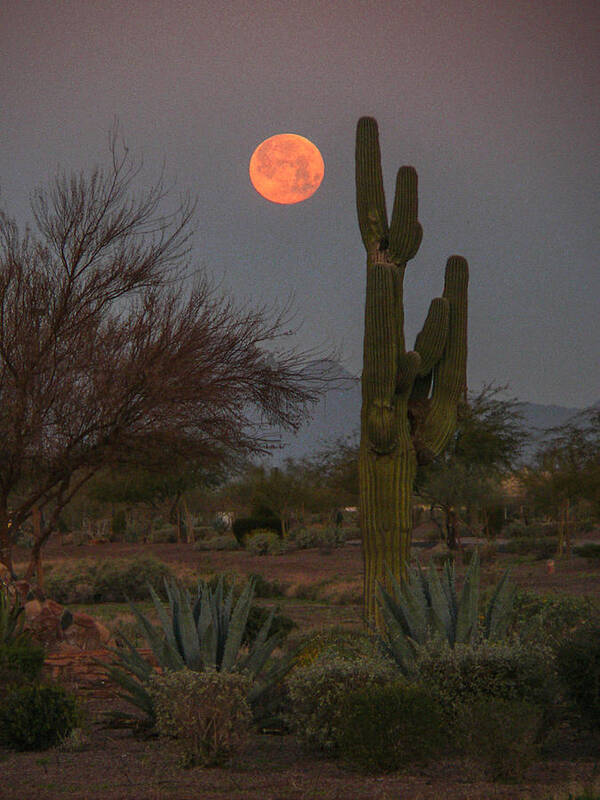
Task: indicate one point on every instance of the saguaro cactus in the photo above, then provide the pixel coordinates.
(409, 398)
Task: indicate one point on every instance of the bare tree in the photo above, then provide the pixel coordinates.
(109, 351)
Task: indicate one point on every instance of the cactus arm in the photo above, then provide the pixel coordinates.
(431, 340)
(430, 344)
(406, 232)
(450, 373)
(370, 197)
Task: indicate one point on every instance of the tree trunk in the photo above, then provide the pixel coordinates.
(40, 537)
(5, 541)
(451, 528)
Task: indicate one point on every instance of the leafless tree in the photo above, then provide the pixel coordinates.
(111, 350)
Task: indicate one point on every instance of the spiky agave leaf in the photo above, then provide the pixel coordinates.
(163, 617)
(184, 628)
(411, 596)
(262, 648)
(130, 674)
(207, 632)
(468, 604)
(399, 645)
(166, 654)
(499, 609)
(440, 616)
(237, 626)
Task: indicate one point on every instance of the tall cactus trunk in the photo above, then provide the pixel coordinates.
(409, 398)
(385, 518)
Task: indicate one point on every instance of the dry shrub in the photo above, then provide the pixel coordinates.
(206, 712)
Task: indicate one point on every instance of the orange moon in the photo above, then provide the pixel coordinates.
(286, 168)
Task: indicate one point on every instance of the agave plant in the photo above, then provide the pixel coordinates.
(201, 633)
(425, 606)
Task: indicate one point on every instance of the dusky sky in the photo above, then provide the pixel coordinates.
(495, 102)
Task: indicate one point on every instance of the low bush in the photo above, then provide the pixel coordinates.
(501, 734)
(336, 643)
(541, 548)
(390, 727)
(20, 662)
(206, 712)
(588, 550)
(266, 588)
(535, 530)
(264, 543)
(303, 538)
(36, 717)
(551, 618)
(515, 529)
(578, 664)
(331, 538)
(242, 526)
(224, 542)
(509, 671)
(107, 581)
(317, 691)
(281, 624)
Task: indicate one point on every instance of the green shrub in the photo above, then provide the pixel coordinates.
(36, 717)
(163, 534)
(316, 694)
(551, 618)
(118, 581)
(206, 712)
(588, 550)
(107, 581)
(262, 542)
(20, 662)
(509, 670)
(501, 734)
(281, 624)
(389, 727)
(578, 664)
(542, 548)
(336, 643)
(327, 539)
(331, 538)
(266, 588)
(242, 526)
(514, 530)
(225, 542)
(303, 538)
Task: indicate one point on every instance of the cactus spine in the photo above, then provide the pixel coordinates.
(409, 398)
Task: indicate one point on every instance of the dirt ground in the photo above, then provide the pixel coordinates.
(115, 765)
(572, 575)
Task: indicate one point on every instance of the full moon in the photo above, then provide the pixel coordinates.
(286, 168)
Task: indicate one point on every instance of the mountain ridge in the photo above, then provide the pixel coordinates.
(337, 414)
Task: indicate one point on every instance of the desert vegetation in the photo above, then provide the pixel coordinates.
(413, 614)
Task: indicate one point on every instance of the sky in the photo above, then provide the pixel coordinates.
(495, 102)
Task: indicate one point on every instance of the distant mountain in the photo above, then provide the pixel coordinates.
(337, 415)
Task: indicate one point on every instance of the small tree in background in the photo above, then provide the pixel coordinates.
(484, 450)
(110, 345)
(566, 471)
